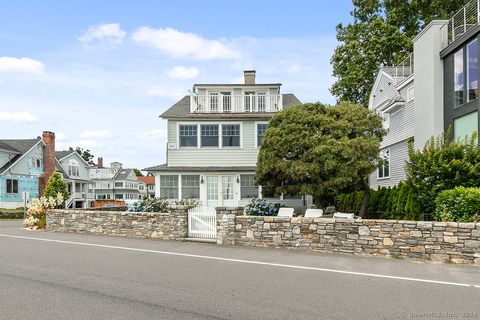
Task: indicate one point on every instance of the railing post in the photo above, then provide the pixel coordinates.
(464, 19)
(453, 29)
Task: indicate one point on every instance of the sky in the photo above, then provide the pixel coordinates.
(99, 73)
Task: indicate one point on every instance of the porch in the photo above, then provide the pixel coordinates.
(80, 197)
(224, 102)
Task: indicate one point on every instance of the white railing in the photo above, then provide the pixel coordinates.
(219, 103)
(462, 21)
(403, 69)
(202, 223)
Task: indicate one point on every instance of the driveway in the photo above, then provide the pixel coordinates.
(46, 275)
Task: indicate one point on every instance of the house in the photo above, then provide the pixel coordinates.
(434, 89)
(214, 136)
(147, 186)
(76, 172)
(25, 167)
(114, 182)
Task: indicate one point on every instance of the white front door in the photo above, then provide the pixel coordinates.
(220, 190)
(228, 191)
(212, 191)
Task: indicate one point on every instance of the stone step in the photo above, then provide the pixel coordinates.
(200, 240)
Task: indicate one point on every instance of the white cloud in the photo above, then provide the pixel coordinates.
(15, 117)
(21, 65)
(183, 73)
(165, 92)
(96, 134)
(294, 68)
(88, 143)
(110, 32)
(157, 134)
(184, 44)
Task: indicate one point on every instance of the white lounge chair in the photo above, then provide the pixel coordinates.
(343, 216)
(285, 212)
(313, 213)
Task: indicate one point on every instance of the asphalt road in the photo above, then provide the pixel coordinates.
(74, 276)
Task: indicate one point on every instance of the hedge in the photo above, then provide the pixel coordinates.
(398, 203)
(458, 204)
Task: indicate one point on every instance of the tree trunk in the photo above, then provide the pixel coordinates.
(366, 196)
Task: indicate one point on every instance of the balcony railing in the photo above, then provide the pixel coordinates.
(218, 103)
(403, 69)
(462, 21)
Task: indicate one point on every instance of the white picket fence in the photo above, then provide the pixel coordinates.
(202, 223)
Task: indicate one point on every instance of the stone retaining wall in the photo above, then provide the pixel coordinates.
(437, 241)
(172, 225)
(11, 215)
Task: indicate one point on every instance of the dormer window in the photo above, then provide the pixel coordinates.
(73, 168)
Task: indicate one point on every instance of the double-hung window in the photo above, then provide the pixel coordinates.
(12, 186)
(73, 168)
(261, 128)
(384, 167)
(188, 135)
(231, 135)
(190, 186)
(248, 186)
(169, 187)
(36, 163)
(209, 135)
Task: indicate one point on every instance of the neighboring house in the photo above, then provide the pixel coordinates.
(147, 186)
(76, 172)
(214, 136)
(114, 183)
(433, 90)
(25, 167)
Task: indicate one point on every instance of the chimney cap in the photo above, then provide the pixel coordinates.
(250, 71)
(49, 133)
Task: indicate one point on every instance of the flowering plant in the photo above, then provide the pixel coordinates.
(37, 209)
(260, 207)
(191, 203)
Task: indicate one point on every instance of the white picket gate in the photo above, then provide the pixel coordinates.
(202, 223)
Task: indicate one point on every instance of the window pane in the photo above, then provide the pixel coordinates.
(261, 128)
(191, 187)
(226, 101)
(248, 186)
(213, 101)
(169, 187)
(463, 127)
(209, 137)
(188, 135)
(472, 70)
(458, 77)
(231, 135)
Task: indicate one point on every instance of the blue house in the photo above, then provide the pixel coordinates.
(21, 165)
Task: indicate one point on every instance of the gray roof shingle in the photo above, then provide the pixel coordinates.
(63, 153)
(17, 146)
(181, 109)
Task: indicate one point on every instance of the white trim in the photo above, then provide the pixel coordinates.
(405, 82)
(389, 166)
(220, 134)
(256, 123)
(24, 156)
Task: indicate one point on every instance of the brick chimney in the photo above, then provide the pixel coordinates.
(100, 162)
(48, 138)
(249, 76)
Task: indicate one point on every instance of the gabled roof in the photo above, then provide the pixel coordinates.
(181, 109)
(123, 174)
(63, 153)
(19, 147)
(147, 179)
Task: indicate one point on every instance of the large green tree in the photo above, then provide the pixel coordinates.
(381, 33)
(320, 150)
(86, 154)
